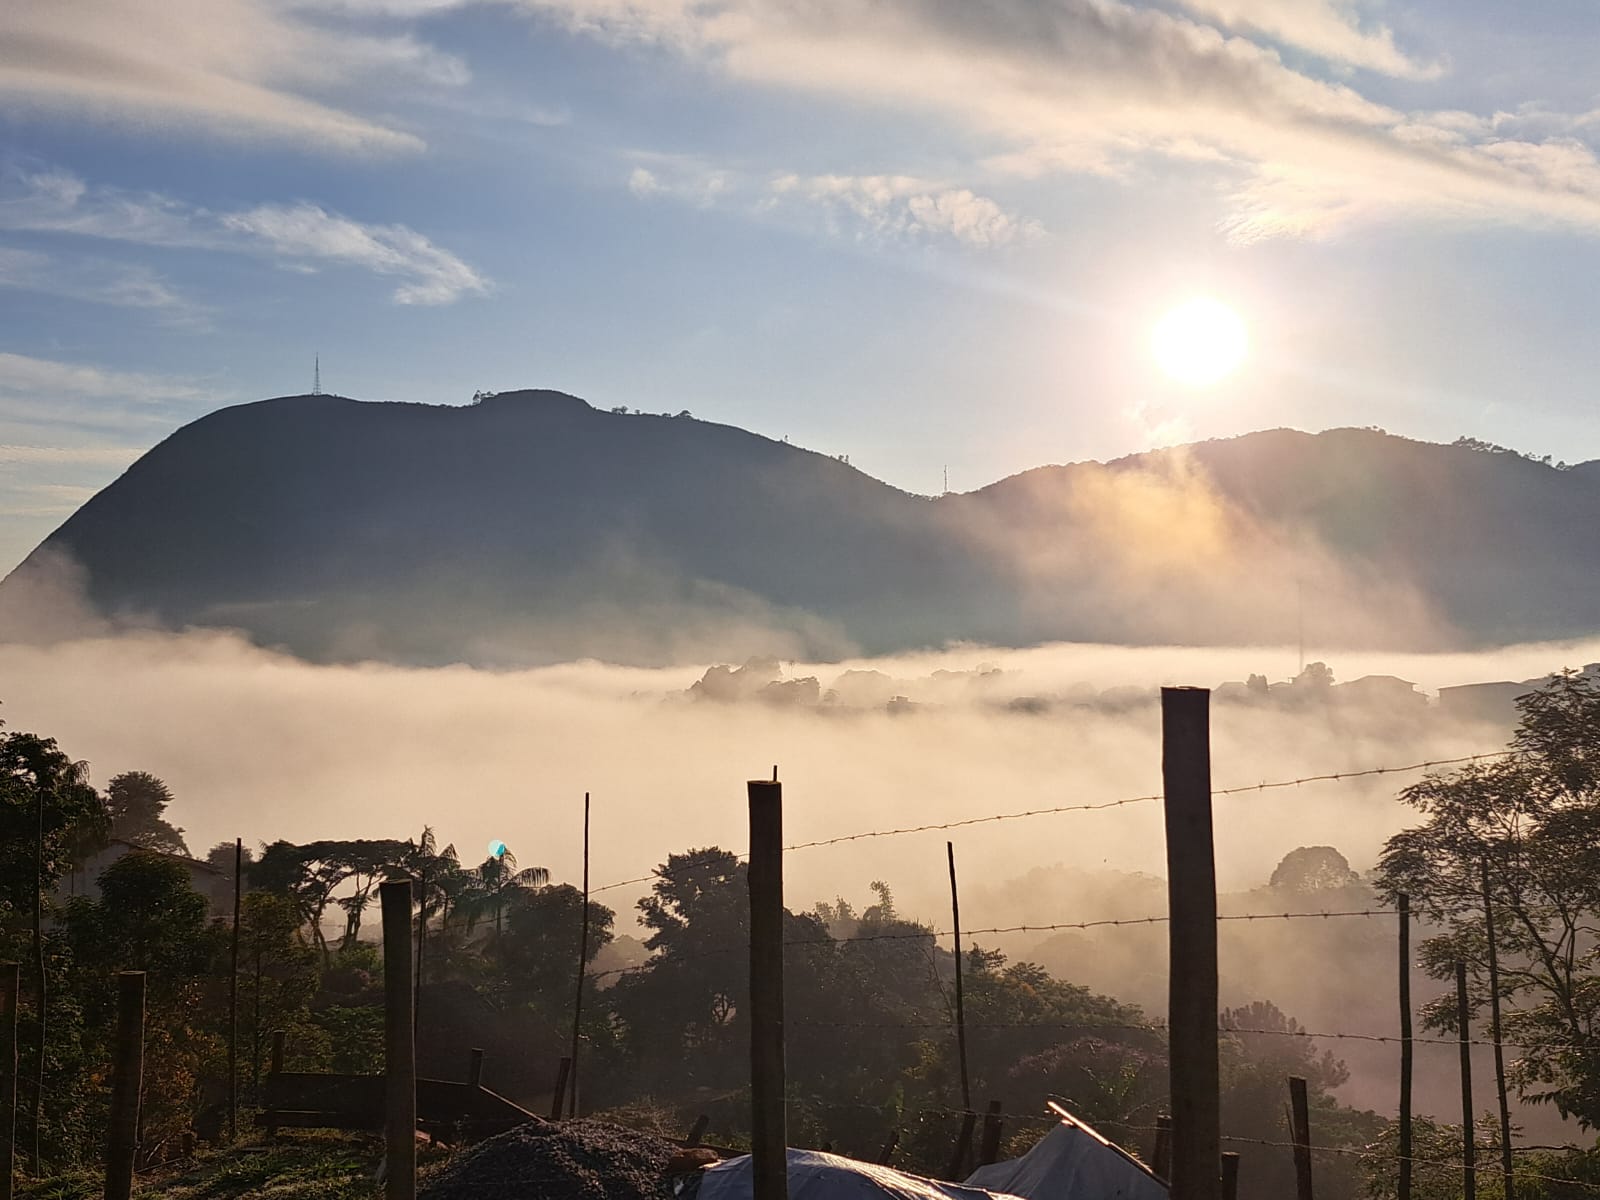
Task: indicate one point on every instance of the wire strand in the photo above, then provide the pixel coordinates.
(1023, 814)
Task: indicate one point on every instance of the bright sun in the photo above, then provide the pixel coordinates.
(1200, 342)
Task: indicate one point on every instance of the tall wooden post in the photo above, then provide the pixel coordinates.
(399, 1044)
(1192, 940)
(1403, 1190)
(233, 994)
(40, 984)
(769, 1135)
(1301, 1110)
(961, 1014)
(1507, 1168)
(1469, 1157)
(1230, 1176)
(583, 959)
(127, 1078)
(10, 985)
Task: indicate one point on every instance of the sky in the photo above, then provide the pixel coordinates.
(928, 234)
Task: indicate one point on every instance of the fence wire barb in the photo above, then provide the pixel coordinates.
(1273, 785)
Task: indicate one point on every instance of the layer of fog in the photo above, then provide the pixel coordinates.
(263, 746)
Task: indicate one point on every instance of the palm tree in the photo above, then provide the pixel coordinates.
(494, 881)
(432, 868)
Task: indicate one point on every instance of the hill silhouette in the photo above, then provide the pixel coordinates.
(530, 527)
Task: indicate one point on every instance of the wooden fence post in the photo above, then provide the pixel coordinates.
(989, 1150)
(558, 1102)
(1301, 1111)
(697, 1132)
(10, 985)
(475, 1067)
(233, 995)
(1161, 1155)
(769, 1138)
(1192, 944)
(127, 1078)
(964, 1144)
(1403, 1190)
(400, 1047)
(958, 1157)
(1230, 1176)
(1469, 1155)
(889, 1148)
(1507, 1168)
(583, 959)
(274, 1068)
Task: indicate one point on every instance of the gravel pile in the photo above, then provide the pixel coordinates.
(572, 1160)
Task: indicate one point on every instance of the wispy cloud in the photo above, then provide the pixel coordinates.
(1325, 28)
(301, 234)
(878, 208)
(900, 206)
(47, 379)
(70, 455)
(248, 68)
(1107, 85)
(96, 281)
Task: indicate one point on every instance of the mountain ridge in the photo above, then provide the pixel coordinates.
(532, 527)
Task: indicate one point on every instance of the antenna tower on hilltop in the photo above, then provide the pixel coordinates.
(316, 376)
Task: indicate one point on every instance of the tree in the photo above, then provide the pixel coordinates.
(1261, 1047)
(538, 952)
(148, 918)
(48, 815)
(136, 802)
(282, 968)
(1313, 869)
(1530, 820)
(495, 880)
(312, 873)
(221, 858)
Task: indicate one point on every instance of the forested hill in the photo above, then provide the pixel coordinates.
(531, 527)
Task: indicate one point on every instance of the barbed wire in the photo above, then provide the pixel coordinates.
(1150, 1027)
(965, 822)
(936, 934)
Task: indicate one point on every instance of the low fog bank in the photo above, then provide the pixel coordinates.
(264, 746)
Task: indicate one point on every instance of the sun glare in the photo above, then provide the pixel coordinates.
(1200, 342)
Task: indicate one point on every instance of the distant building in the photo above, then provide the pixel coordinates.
(211, 883)
(1492, 702)
(1381, 689)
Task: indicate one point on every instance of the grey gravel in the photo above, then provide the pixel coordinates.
(572, 1160)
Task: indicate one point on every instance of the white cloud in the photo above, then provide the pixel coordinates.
(900, 206)
(297, 235)
(1102, 85)
(233, 67)
(1325, 28)
(861, 207)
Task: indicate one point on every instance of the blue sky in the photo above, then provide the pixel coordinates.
(923, 233)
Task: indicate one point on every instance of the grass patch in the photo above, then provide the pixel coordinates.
(311, 1166)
